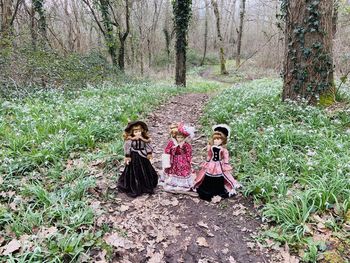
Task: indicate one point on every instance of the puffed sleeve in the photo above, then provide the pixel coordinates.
(210, 153)
(225, 160)
(225, 156)
(188, 151)
(169, 146)
(127, 148)
(149, 148)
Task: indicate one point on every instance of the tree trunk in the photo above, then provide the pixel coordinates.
(33, 31)
(240, 33)
(166, 32)
(39, 9)
(108, 32)
(121, 55)
(221, 42)
(141, 61)
(123, 37)
(180, 63)
(205, 32)
(308, 65)
(182, 14)
(6, 27)
(149, 52)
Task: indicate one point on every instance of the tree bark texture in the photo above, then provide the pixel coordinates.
(240, 32)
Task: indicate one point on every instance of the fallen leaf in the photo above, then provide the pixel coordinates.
(216, 199)
(157, 258)
(201, 241)
(13, 206)
(286, 255)
(202, 224)
(196, 200)
(26, 243)
(160, 237)
(232, 260)
(116, 241)
(123, 208)
(216, 228)
(47, 232)
(321, 227)
(11, 247)
(225, 251)
(97, 163)
(251, 245)
(174, 202)
(209, 234)
(102, 257)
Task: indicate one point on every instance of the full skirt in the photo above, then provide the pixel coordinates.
(138, 177)
(212, 186)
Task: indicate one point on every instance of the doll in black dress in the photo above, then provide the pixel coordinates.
(139, 176)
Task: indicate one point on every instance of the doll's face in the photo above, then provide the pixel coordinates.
(180, 138)
(217, 141)
(137, 132)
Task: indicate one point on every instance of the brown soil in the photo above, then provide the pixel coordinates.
(167, 227)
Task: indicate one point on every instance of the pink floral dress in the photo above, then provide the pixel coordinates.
(179, 175)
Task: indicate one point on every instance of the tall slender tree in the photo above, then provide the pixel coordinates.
(105, 26)
(182, 15)
(205, 32)
(38, 7)
(240, 32)
(8, 9)
(123, 35)
(308, 66)
(221, 41)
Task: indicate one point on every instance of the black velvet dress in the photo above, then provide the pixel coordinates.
(139, 176)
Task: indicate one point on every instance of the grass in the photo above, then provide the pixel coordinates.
(40, 191)
(294, 159)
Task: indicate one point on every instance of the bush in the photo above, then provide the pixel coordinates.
(26, 70)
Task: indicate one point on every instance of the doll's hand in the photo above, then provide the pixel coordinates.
(149, 156)
(127, 160)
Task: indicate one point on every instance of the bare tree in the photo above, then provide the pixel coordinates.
(240, 32)
(221, 42)
(166, 31)
(205, 32)
(9, 9)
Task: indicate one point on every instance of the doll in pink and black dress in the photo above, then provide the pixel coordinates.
(179, 175)
(139, 176)
(215, 178)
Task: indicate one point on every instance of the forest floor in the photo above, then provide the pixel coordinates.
(167, 227)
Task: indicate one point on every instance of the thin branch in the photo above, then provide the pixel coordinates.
(257, 51)
(116, 23)
(15, 12)
(95, 16)
(123, 37)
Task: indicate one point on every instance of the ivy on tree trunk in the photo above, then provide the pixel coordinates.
(308, 67)
(182, 16)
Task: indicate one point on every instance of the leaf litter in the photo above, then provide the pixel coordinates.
(164, 227)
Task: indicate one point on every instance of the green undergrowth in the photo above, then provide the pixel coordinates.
(45, 198)
(294, 159)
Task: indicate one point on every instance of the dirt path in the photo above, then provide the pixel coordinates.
(166, 227)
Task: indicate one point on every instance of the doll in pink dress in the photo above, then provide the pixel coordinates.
(215, 178)
(179, 175)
